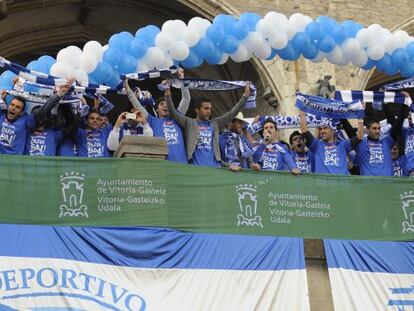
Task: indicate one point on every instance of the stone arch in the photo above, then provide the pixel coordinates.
(34, 28)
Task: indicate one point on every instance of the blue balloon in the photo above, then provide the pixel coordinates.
(191, 61)
(272, 54)
(326, 44)
(288, 53)
(408, 70)
(113, 56)
(314, 30)
(5, 87)
(400, 57)
(301, 41)
(369, 65)
(114, 80)
(311, 52)
(7, 77)
(127, 35)
(326, 22)
(338, 33)
(137, 48)
(102, 72)
(215, 33)
(152, 29)
(128, 64)
(37, 66)
(229, 44)
(147, 34)
(251, 19)
(410, 50)
(204, 47)
(392, 70)
(384, 62)
(351, 28)
(48, 61)
(225, 21)
(215, 57)
(119, 41)
(240, 30)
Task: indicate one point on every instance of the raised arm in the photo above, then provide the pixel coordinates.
(185, 95)
(181, 120)
(134, 100)
(228, 116)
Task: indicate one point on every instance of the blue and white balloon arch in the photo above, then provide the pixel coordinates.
(200, 40)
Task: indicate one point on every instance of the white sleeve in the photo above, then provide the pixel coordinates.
(147, 130)
(113, 139)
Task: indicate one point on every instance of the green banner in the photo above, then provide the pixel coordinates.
(145, 192)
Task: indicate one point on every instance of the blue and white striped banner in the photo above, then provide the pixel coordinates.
(368, 275)
(404, 84)
(376, 98)
(84, 268)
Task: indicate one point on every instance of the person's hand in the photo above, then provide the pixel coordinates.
(62, 91)
(256, 119)
(15, 80)
(405, 94)
(96, 103)
(247, 90)
(255, 166)
(126, 85)
(140, 117)
(121, 119)
(295, 171)
(3, 94)
(234, 168)
(180, 73)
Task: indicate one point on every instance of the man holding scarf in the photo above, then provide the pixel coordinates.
(408, 136)
(201, 134)
(330, 154)
(235, 149)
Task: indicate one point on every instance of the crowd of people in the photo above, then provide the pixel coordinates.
(206, 141)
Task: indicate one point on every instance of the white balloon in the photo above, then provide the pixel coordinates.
(361, 59)
(300, 21)
(199, 25)
(241, 55)
(60, 70)
(174, 28)
(290, 30)
(168, 62)
(154, 57)
(401, 38)
(191, 37)
(263, 51)
(376, 52)
(94, 48)
(350, 47)
(80, 76)
(365, 37)
(376, 28)
(252, 41)
(264, 28)
(278, 40)
(67, 57)
(104, 48)
(164, 41)
(87, 62)
(142, 67)
(224, 59)
(180, 51)
(278, 20)
(390, 45)
(320, 57)
(335, 56)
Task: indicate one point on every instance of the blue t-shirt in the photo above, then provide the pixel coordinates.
(304, 161)
(398, 167)
(330, 158)
(374, 156)
(235, 148)
(274, 157)
(43, 143)
(408, 135)
(13, 134)
(92, 143)
(67, 148)
(203, 154)
(167, 128)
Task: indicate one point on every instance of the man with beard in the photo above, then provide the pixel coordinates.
(304, 158)
(329, 152)
(236, 152)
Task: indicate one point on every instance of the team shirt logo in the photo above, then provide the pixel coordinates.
(376, 156)
(331, 156)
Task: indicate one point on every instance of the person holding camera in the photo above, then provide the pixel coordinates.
(128, 123)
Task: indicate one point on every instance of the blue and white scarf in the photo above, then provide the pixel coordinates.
(214, 85)
(230, 150)
(329, 108)
(404, 84)
(375, 97)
